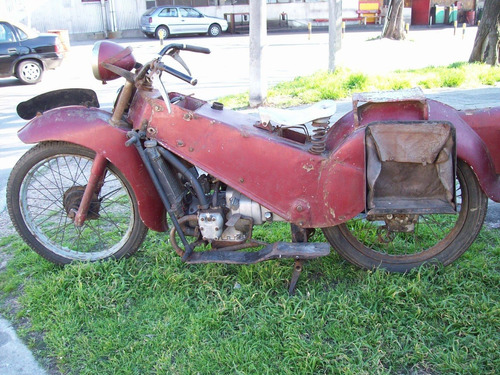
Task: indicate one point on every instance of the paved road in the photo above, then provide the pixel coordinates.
(223, 72)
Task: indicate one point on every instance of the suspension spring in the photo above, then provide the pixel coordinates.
(318, 138)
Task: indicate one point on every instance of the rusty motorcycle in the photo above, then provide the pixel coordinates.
(399, 181)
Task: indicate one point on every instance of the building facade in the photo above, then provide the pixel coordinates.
(104, 17)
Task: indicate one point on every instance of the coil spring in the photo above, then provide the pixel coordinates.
(318, 138)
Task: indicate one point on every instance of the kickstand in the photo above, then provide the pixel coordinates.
(297, 269)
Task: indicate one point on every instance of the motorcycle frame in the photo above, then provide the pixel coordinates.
(306, 189)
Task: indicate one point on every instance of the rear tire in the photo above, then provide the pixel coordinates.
(29, 72)
(47, 183)
(436, 238)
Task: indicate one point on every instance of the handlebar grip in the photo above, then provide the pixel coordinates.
(192, 81)
(197, 49)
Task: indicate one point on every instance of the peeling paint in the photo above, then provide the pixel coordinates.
(308, 167)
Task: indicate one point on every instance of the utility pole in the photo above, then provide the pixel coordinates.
(334, 25)
(258, 43)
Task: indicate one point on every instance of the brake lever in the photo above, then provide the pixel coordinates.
(158, 85)
(177, 57)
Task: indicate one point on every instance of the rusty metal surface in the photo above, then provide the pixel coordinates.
(278, 173)
(89, 127)
(277, 250)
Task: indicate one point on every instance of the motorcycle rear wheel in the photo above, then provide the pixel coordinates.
(48, 182)
(436, 238)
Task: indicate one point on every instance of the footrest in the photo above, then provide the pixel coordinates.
(302, 250)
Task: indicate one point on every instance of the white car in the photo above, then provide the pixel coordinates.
(167, 20)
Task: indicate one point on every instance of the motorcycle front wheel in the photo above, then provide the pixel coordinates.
(46, 187)
(435, 238)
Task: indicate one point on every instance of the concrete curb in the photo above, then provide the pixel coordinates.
(15, 357)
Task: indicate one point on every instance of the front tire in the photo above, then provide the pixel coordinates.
(436, 238)
(47, 183)
(29, 72)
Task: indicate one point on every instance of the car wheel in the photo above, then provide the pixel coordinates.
(29, 72)
(214, 30)
(162, 30)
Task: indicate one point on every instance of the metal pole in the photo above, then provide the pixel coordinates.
(104, 19)
(258, 42)
(334, 21)
(112, 14)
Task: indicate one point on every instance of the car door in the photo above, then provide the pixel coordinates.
(170, 16)
(9, 49)
(193, 21)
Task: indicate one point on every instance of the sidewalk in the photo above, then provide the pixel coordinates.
(378, 56)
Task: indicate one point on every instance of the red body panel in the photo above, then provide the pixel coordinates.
(280, 174)
(89, 127)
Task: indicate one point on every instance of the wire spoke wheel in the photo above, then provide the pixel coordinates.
(418, 238)
(44, 193)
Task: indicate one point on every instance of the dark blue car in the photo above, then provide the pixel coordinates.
(26, 54)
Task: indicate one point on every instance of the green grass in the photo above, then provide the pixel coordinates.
(152, 314)
(344, 82)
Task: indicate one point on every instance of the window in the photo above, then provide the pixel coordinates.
(168, 12)
(22, 35)
(189, 12)
(6, 34)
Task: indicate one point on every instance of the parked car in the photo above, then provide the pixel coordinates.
(168, 20)
(26, 54)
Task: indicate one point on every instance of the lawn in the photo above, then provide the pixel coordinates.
(343, 82)
(153, 314)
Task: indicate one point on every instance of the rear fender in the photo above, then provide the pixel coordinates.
(90, 128)
(472, 149)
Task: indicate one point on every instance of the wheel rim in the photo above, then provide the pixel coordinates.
(214, 30)
(432, 233)
(31, 72)
(52, 186)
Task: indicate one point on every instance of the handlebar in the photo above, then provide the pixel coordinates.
(183, 47)
(192, 81)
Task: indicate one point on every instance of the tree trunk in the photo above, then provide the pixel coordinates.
(486, 44)
(395, 26)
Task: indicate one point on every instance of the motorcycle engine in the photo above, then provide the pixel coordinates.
(236, 226)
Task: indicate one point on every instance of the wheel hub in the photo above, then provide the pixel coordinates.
(72, 199)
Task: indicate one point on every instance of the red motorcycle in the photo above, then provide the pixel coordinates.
(399, 181)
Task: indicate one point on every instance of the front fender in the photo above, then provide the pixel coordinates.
(90, 128)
